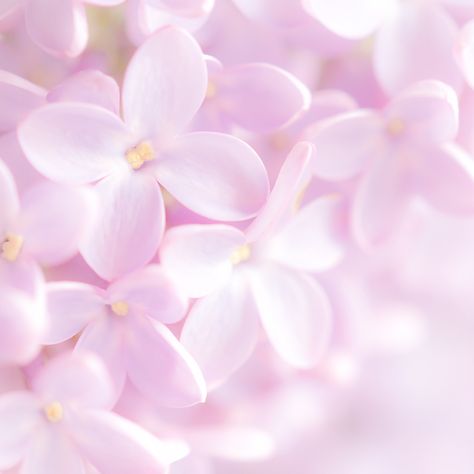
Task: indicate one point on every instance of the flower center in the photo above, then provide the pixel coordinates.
(139, 154)
(395, 126)
(211, 90)
(11, 247)
(240, 254)
(54, 412)
(120, 308)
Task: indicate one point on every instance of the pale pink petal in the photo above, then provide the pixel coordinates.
(426, 112)
(447, 179)
(193, 463)
(51, 451)
(415, 44)
(350, 19)
(380, 200)
(115, 445)
(184, 7)
(216, 175)
(76, 379)
(150, 291)
(70, 307)
(225, 319)
(198, 256)
(311, 240)
(291, 180)
(464, 51)
(281, 13)
(74, 143)
(20, 416)
(9, 202)
(90, 86)
(53, 221)
(104, 337)
(346, 144)
(65, 33)
(261, 97)
(7, 7)
(21, 327)
(160, 367)
(159, 99)
(105, 3)
(128, 226)
(295, 313)
(18, 98)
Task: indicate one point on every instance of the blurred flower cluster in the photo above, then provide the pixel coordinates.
(236, 236)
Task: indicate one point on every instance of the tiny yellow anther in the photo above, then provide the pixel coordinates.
(211, 91)
(11, 247)
(139, 154)
(240, 254)
(120, 308)
(279, 141)
(395, 126)
(54, 412)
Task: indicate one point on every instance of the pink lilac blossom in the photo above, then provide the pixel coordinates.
(236, 236)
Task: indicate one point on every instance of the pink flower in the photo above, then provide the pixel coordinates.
(125, 326)
(213, 174)
(399, 153)
(259, 274)
(63, 425)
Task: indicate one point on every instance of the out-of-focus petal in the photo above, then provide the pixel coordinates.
(74, 143)
(128, 226)
(464, 51)
(70, 307)
(7, 7)
(184, 7)
(346, 143)
(295, 313)
(9, 202)
(198, 256)
(159, 99)
(221, 329)
(160, 367)
(216, 175)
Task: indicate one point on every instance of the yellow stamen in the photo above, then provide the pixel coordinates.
(120, 308)
(211, 91)
(240, 254)
(279, 141)
(395, 126)
(11, 247)
(54, 412)
(139, 154)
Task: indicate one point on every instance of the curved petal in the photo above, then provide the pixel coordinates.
(464, 51)
(128, 447)
(350, 19)
(74, 143)
(7, 7)
(52, 451)
(9, 202)
(65, 33)
(225, 319)
(75, 379)
(310, 240)
(345, 144)
(90, 87)
(447, 179)
(53, 221)
(159, 366)
(215, 175)
(18, 98)
(184, 7)
(150, 291)
(280, 13)
(290, 181)
(158, 97)
(415, 44)
(427, 111)
(128, 226)
(70, 307)
(198, 256)
(295, 314)
(20, 416)
(261, 97)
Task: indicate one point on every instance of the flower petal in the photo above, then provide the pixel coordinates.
(158, 97)
(346, 143)
(295, 314)
(198, 256)
(215, 175)
(128, 226)
(7, 7)
(129, 448)
(74, 143)
(20, 415)
(184, 7)
(65, 33)
(9, 202)
(221, 329)
(464, 51)
(71, 306)
(160, 367)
